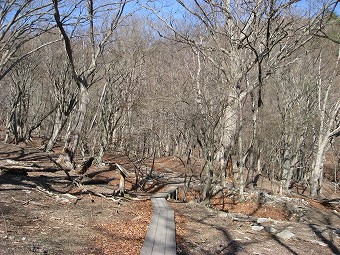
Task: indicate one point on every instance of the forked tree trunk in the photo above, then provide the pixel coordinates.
(78, 125)
(229, 127)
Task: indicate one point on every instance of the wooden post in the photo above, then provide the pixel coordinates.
(173, 194)
(121, 185)
(123, 175)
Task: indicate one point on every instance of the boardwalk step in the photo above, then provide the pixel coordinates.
(161, 235)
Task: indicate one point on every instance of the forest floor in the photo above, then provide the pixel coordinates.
(44, 213)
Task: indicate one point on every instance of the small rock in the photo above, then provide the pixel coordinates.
(257, 228)
(55, 218)
(70, 196)
(319, 243)
(271, 230)
(23, 238)
(192, 202)
(67, 198)
(262, 220)
(168, 170)
(223, 215)
(285, 234)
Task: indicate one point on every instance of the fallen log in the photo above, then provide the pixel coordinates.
(65, 170)
(19, 166)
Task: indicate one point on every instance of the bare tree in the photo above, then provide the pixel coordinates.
(64, 92)
(328, 112)
(296, 100)
(20, 22)
(29, 107)
(246, 41)
(303, 121)
(110, 14)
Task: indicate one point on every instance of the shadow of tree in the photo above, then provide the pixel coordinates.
(322, 235)
(228, 245)
(31, 182)
(279, 241)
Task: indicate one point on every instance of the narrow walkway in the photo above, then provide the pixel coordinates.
(161, 235)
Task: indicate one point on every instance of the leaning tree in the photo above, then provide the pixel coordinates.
(93, 24)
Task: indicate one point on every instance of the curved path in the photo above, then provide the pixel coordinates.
(161, 235)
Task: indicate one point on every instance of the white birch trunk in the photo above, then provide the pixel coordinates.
(328, 113)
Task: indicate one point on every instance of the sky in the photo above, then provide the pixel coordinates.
(303, 4)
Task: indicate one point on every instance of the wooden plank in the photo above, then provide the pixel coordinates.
(160, 238)
(161, 235)
(154, 203)
(150, 235)
(160, 204)
(170, 247)
(161, 195)
(171, 192)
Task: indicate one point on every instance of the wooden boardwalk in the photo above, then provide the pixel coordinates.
(161, 235)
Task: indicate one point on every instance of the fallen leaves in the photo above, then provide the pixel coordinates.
(125, 236)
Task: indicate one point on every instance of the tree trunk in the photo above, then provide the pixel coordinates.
(78, 126)
(317, 173)
(286, 169)
(240, 151)
(208, 181)
(223, 165)
(229, 124)
(57, 127)
(102, 150)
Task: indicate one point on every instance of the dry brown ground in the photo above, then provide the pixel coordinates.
(35, 223)
(43, 213)
(36, 217)
(204, 231)
(38, 221)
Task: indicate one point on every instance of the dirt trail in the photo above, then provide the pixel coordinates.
(41, 213)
